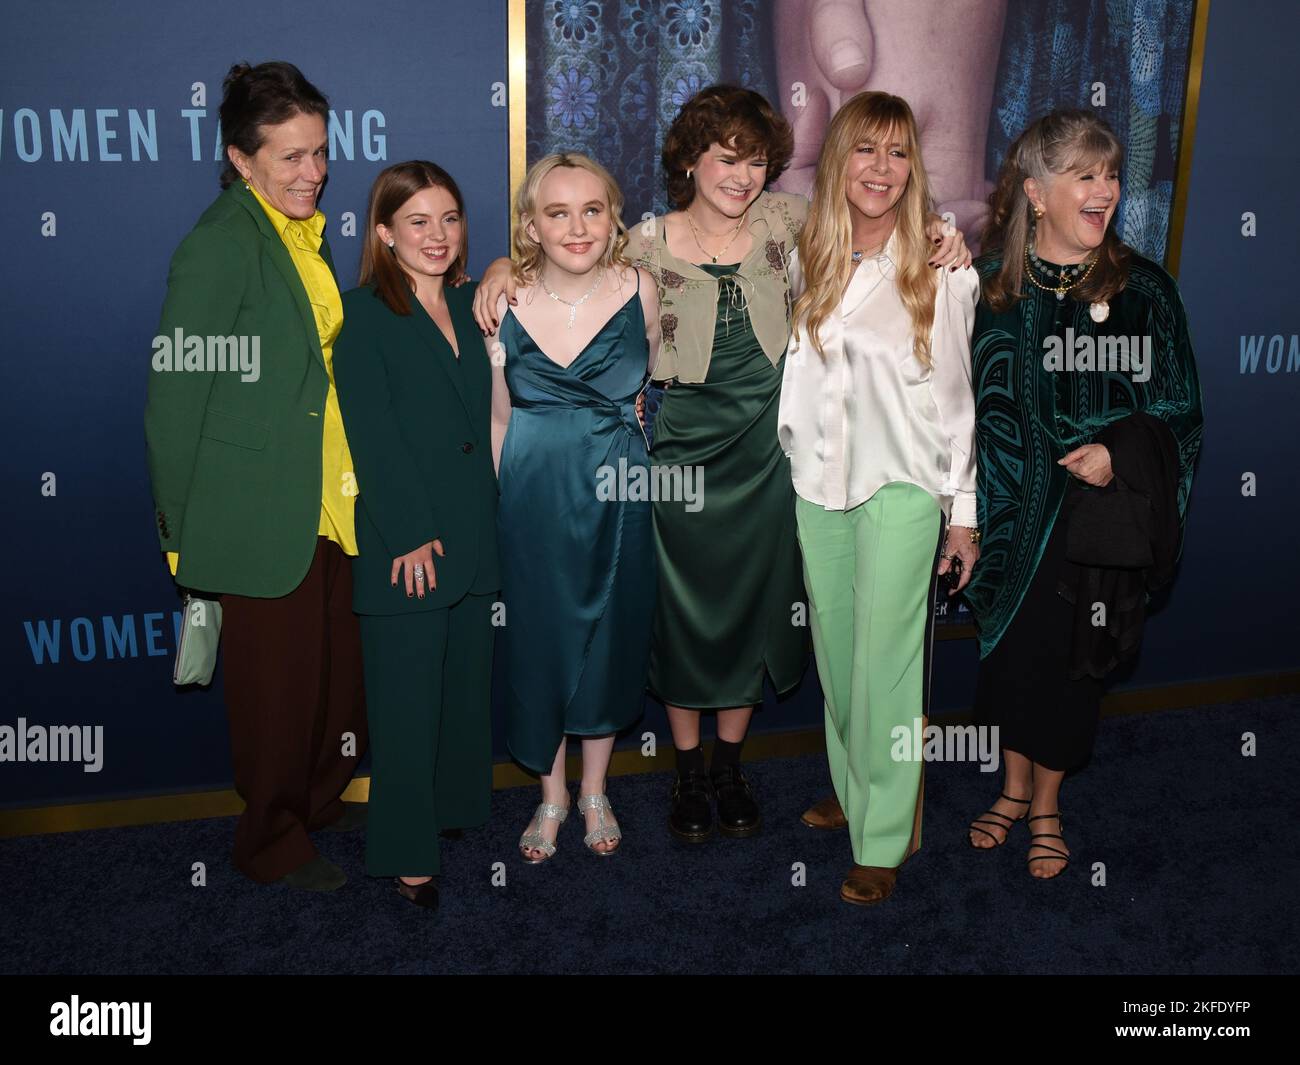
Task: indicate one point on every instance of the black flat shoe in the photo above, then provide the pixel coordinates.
(738, 814)
(691, 816)
(452, 833)
(425, 894)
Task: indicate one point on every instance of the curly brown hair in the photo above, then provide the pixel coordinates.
(740, 119)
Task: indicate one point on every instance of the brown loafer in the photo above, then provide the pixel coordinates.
(868, 884)
(827, 814)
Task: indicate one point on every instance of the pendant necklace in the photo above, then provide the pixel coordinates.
(1098, 311)
(573, 305)
(696, 234)
(1075, 274)
(874, 251)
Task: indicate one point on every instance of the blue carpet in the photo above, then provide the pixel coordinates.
(1196, 841)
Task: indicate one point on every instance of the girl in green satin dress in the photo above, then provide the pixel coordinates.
(729, 611)
(574, 532)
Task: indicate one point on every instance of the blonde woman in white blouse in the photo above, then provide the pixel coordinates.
(878, 420)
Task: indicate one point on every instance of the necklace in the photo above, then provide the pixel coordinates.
(696, 234)
(573, 305)
(1075, 274)
(868, 253)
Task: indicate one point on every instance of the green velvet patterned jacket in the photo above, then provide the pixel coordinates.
(1047, 378)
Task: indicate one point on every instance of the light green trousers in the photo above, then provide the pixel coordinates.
(869, 575)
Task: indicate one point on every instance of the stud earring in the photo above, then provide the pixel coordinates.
(392, 243)
(1038, 212)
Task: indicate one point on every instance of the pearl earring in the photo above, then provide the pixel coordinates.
(392, 243)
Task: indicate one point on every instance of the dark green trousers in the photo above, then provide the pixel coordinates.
(428, 697)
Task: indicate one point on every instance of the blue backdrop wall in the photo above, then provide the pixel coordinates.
(108, 155)
(88, 618)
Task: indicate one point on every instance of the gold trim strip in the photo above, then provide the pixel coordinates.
(517, 59)
(191, 806)
(1191, 104)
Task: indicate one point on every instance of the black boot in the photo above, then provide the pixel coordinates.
(738, 814)
(691, 816)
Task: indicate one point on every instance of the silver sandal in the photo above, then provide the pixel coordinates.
(603, 832)
(535, 841)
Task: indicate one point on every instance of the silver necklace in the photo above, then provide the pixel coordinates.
(573, 305)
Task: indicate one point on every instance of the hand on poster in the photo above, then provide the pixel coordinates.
(941, 56)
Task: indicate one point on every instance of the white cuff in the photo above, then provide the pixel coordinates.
(964, 510)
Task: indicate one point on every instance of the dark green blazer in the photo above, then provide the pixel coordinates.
(236, 464)
(418, 422)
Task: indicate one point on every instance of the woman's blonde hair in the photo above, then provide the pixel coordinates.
(526, 253)
(826, 243)
(1058, 143)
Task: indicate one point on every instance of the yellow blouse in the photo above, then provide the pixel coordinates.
(338, 480)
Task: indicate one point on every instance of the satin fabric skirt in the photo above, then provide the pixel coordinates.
(730, 581)
(576, 542)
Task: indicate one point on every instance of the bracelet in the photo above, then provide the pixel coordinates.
(974, 532)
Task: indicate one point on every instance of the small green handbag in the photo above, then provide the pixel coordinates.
(196, 654)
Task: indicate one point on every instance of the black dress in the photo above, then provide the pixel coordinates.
(1024, 687)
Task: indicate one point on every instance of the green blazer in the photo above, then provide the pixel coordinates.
(236, 464)
(418, 422)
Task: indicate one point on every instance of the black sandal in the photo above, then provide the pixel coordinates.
(1055, 856)
(1006, 829)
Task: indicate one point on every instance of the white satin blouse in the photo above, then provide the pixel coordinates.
(868, 414)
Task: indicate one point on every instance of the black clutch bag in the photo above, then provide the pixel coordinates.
(1109, 526)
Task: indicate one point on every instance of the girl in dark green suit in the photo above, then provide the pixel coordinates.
(415, 388)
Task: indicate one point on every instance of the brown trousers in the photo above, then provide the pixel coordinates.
(293, 686)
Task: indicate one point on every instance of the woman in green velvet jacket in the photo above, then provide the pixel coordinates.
(415, 387)
(1087, 404)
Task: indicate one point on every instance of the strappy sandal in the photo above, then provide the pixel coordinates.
(1006, 828)
(603, 832)
(535, 841)
(1055, 856)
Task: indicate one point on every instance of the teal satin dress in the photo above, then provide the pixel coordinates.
(576, 538)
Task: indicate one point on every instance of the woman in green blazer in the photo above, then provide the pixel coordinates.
(252, 480)
(415, 386)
